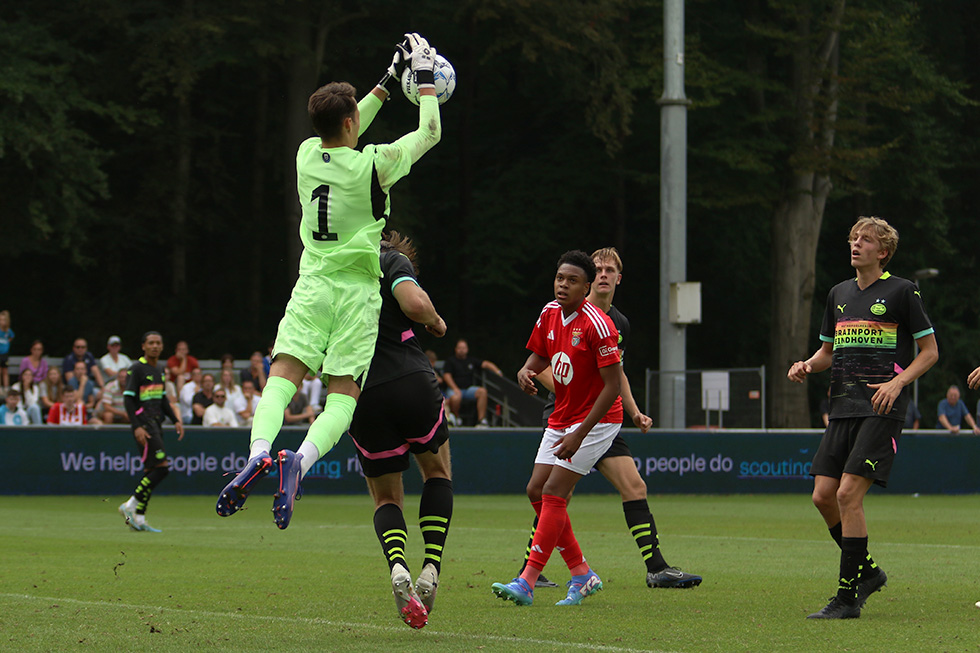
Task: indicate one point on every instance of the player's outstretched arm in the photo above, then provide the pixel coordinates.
(417, 306)
(820, 361)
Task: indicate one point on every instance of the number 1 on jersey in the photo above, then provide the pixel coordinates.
(322, 195)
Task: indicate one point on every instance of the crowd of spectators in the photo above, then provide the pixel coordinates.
(83, 389)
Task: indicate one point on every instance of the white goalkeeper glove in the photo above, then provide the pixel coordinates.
(423, 55)
(422, 60)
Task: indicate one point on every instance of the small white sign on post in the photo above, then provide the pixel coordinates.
(714, 390)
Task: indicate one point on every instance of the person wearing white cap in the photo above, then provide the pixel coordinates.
(114, 360)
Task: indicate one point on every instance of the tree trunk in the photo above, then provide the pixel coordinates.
(795, 232)
(797, 219)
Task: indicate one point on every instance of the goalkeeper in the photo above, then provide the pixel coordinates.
(331, 319)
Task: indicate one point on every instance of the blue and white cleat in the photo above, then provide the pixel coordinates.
(232, 498)
(289, 487)
(516, 590)
(129, 515)
(580, 587)
(146, 528)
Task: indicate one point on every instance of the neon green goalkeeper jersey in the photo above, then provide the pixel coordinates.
(344, 192)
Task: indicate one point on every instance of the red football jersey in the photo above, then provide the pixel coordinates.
(577, 347)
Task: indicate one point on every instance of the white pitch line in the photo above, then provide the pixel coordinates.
(327, 622)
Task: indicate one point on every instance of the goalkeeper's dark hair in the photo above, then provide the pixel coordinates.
(148, 334)
(329, 105)
(393, 241)
(579, 259)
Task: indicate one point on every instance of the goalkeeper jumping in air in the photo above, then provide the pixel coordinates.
(331, 320)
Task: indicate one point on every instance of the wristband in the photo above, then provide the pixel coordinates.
(425, 79)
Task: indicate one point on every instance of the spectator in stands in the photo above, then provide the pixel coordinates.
(80, 381)
(181, 365)
(35, 361)
(203, 399)
(912, 417)
(170, 389)
(80, 353)
(220, 413)
(299, 409)
(114, 360)
(227, 362)
(70, 411)
(186, 396)
(256, 372)
(112, 408)
(952, 412)
(11, 412)
(459, 372)
(52, 390)
(6, 337)
(313, 388)
(246, 406)
(434, 362)
(30, 394)
(232, 389)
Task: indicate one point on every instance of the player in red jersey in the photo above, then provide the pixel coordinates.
(579, 342)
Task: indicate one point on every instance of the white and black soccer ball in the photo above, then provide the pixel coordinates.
(445, 78)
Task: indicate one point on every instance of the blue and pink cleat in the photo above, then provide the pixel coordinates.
(232, 498)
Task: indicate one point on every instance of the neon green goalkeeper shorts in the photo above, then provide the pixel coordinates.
(331, 323)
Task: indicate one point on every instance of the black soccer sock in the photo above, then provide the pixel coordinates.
(389, 524)
(853, 550)
(435, 513)
(530, 541)
(870, 568)
(151, 479)
(644, 531)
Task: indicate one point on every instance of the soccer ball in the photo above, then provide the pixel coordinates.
(445, 78)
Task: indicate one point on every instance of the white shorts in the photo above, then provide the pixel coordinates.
(599, 439)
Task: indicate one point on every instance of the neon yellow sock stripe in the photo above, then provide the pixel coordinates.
(433, 529)
(433, 547)
(430, 556)
(444, 520)
(646, 549)
(634, 528)
(395, 531)
(637, 536)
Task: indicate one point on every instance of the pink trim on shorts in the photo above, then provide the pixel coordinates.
(407, 335)
(399, 450)
(898, 368)
(894, 446)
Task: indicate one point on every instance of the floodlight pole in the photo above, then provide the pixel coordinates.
(673, 215)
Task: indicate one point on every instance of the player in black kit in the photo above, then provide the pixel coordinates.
(400, 411)
(147, 405)
(869, 328)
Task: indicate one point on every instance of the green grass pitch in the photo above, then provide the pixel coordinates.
(74, 578)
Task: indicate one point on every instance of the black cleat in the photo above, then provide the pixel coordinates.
(869, 586)
(672, 577)
(544, 582)
(837, 609)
